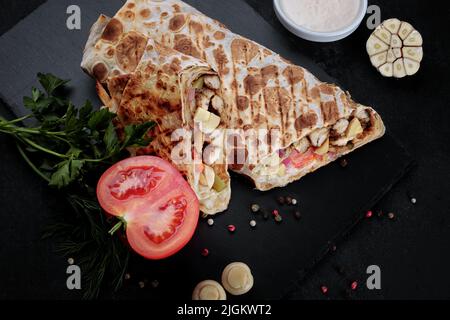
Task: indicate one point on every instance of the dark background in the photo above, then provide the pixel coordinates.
(412, 250)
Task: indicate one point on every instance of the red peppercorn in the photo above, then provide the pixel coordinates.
(205, 252)
(324, 289)
(354, 285)
(369, 214)
(231, 228)
(275, 213)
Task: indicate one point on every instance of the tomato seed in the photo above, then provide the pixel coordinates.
(289, 200)
(281, 200)
(155, 284)
(231, 228)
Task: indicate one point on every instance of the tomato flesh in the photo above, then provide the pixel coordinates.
(159, 207)
(300, 160)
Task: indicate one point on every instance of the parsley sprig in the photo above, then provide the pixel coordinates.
(70, 148)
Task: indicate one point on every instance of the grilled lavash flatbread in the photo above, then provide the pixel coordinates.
(153, 83)
(261, 90)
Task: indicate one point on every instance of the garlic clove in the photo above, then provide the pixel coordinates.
(390, 56)
(399, 69)
(414, 39)
(383, 34)
(413, 53)
(379, 59)
(387, 70)
(375, 46)
(405, 30)
(411, 66)
(393, 25)
(396, 42)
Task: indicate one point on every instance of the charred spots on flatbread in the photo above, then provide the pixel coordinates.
(330, 111)
(113, 31)
(219, 35)
(110, 52)
(253, 84)
(221, 60)
(184, 45)
(177, 22)
(306, 121)
(100, 71)
(176, 8)
(195, 26)
(269, 72)
(164, 15)
(127, 15)
(145, 13)
(243, 103)
(314, 93)
(293, 74)
(243, 51)
(207, 42)
(272, 101)
(326, 89)
(131, 5)
(130, 50)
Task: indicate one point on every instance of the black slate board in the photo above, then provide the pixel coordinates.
(331, 200)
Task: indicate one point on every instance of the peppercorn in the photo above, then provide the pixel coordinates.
(205, 252)
(281, 200)
(266, 215)
(391, 215)
(289, 200)
(343, 163)
(298, 214)
(255, 208)
(210, 222)
(294, 202)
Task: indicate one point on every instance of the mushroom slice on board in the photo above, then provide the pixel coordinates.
(395, 49)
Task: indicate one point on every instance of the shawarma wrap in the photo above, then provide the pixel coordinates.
(148, 82)
(316, 122)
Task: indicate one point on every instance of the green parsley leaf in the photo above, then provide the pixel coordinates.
(50, 83)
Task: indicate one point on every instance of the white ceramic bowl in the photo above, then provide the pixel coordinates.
(319, 36)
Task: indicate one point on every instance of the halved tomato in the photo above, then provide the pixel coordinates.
(158, 206)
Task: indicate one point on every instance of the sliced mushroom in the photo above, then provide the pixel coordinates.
(303, 145)
(237, 278)
(341, 126)
(209, 290)
(318, 137)
(212, 82)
